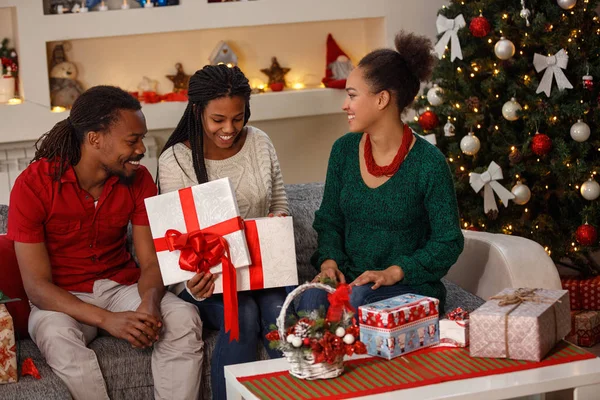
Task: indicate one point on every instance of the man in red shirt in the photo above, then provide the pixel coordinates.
(68, 217)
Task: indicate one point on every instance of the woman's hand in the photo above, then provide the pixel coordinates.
(202, 285)
(387, 277)
(329, 269)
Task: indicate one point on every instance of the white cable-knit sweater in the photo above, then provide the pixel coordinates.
(254, 173)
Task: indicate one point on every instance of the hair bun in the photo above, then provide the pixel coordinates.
(416, 50)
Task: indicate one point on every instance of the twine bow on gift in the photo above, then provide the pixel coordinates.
(553, 65)
(488, 181)
(198, 251)
(449, 27)
(338, 302)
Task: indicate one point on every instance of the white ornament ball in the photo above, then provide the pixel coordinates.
(504, 49)
(434, 95)
(510, 109)
(566, 4)
(522, 193)
(340, 332)
(349, 338)
(297, 342)
(449, 129)
(580, 131)
(525, 13)
(590, 190)
(470, 144)
(290, 338)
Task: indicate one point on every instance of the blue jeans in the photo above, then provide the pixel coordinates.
(313, 299)
(257, 311)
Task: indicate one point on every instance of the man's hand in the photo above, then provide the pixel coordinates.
(329, 269)
(202, 285)
(152, 308)
(133, 326)
(387, 277)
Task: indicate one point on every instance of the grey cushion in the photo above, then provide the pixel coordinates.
(3, 218)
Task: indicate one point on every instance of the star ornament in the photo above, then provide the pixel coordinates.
(275, 73)
(180, 79)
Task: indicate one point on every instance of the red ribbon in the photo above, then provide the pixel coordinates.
(256, 269)
(202, 249)
(458, 314)
(338, 302)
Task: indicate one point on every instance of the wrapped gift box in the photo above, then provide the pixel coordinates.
(574, 288)
(8, 348)
(585, 328)
(454, 329)
(590, 294)
(273, 254)
(526, 330)
(399, 325)
(210, 208)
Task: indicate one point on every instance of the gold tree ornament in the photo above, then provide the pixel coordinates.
(180, 79)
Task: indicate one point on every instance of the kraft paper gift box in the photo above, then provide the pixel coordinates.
(527, 330)
(272, 252)
(8, 349)
(210, 208)
(399, 325)
(585, 328)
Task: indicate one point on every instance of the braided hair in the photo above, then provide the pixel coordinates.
(95, 110)
(210, 83)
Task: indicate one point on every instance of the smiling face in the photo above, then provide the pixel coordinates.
(223, 122)
(122, 148)
(361, 105)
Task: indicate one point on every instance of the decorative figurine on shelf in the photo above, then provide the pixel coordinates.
(62, 6)
(9, 67)
(64, 87)
(338, 66)
(223, 54)
(276, 75)
(180, 79)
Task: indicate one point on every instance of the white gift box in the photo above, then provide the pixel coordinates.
(273, 254)
(454, 333)
(207, 207)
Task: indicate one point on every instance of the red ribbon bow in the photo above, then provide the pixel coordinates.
(458, 314)
(199, 251)
(338, 302)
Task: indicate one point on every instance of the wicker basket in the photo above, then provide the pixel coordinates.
(302, 364)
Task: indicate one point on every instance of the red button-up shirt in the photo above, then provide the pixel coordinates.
(85, 242)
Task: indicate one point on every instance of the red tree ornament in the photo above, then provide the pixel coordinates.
(586, 235)
(428, 120)
(588, 82)
(480, 27)
(541, 144)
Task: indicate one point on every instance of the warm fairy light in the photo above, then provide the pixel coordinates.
(575, 248)
(521, 52)
(475, 109)
(510, 227)
(496, 71)
(300, 85)
(568, 165)
(526, 78)
(58, 109)
(572, 244)
(526, 210)
(462, 169)
(490, 41)
(497, 96)
(504, 16)
(476, 69)
(416, 118)
(14, 101)
(537, 227)
(428, 109)
(472, 75)
(459, 69)
(576, 187)
(525, 107)
(538, 160)
(554, 119)
(455, 121)
(569, 40)
(478, 126)
(546, 187)
(451, 159)
(496, 127)
(457, 105)
(517, 176)
(466, 224)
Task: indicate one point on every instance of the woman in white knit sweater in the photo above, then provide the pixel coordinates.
(212, 141)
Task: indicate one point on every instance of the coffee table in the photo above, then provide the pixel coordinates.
(582, 376)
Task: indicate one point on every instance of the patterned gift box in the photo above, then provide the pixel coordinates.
(273, 254)
(399, 325)
(525, 330)
(590, 294)
(454, 333)
(8, 348)
(193, 216)
(585, 328)
(573, 286)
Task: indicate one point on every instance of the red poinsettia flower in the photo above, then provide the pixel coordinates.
(272, 336)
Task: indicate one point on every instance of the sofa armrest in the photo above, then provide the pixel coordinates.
(491, 262)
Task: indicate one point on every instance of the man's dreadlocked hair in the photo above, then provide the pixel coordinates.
(95, 110)
(210, 83)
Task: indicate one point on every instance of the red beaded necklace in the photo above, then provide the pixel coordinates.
(391, 169)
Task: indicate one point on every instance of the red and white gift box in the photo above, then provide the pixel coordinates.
(573, 285)
(8, 353)
(590, 293)
(273, 254)
(454, 329)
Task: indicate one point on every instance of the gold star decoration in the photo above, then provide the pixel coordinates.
(275, 73)
(180, 79)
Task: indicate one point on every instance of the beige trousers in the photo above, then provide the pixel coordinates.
(176, 357)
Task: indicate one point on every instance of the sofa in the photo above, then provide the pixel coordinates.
(489, 263)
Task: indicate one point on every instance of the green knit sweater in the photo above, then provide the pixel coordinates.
(410, 221)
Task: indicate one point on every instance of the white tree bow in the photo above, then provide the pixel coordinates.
(488, 181)
(449, 27)
(553, 66)
(430, 138)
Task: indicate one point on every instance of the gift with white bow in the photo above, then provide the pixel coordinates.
(489, 181)
(553, 65)
(449, 27)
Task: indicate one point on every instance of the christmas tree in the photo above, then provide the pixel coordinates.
(515, 109)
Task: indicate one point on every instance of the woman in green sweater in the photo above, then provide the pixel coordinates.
(388, 223)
